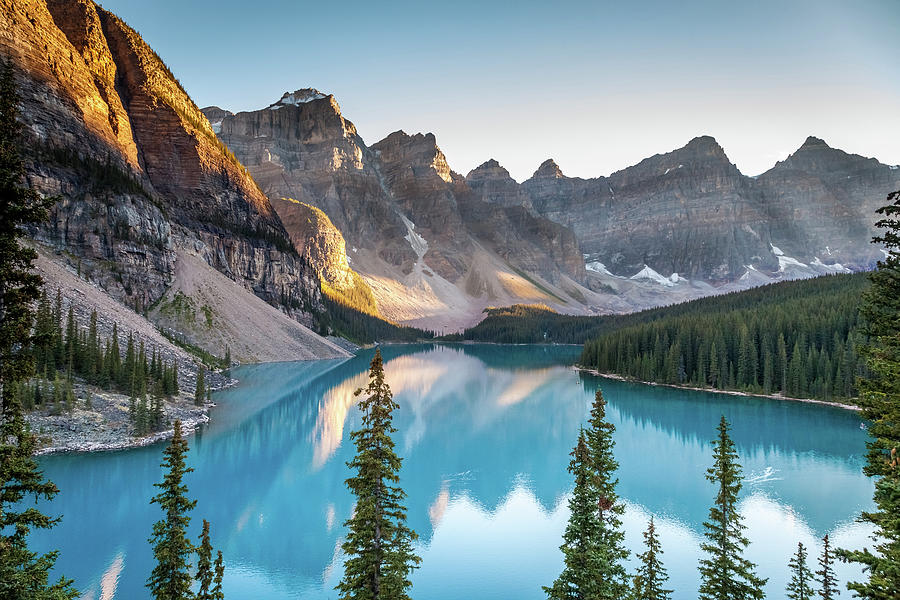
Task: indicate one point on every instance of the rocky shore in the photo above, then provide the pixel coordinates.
(103, 423)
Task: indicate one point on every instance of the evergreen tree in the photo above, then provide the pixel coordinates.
(651, 574)
(825, 575)
(582, 556)
(725, 573)
(799, 586)
(219, 567)
(171, 578)
(378, 546)
(880, 402)
(23, 573)
(599, 436)
(200, 389)
(204, 565)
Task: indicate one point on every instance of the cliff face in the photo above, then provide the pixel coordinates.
(138, 168)
(418, 177)
(317, 240)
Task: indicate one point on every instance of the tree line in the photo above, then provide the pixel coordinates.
(805, 346)
(62, 354)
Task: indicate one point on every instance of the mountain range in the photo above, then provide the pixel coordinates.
(226, 229)
(436, 247)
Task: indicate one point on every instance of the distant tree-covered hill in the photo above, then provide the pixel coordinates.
(798, 339)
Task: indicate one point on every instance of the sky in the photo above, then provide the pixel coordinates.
(597, 86)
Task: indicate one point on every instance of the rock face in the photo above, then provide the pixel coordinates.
(138, 168)
(691, 212)
(397, 202)
(821, 203)
(317, 240)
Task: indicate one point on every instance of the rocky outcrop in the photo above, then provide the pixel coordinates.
(317, 240)
(417, 174)
(138, 168)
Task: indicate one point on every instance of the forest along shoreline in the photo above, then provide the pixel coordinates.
(677, 386)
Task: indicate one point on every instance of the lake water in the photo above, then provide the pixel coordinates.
(485, 432)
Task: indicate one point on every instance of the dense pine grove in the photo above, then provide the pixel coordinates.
(63, 353)
(798, 339)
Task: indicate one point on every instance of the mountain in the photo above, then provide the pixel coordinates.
(152, 207)
(430, 249)
(821, 202)
(691, 214)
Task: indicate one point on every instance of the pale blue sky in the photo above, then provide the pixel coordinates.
(595, 85)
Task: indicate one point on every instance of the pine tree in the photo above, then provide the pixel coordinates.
(725, 573)
(171, 578)
(651, 574)
(200, 389)
(582, 556)
(219, 567)
(825, 575)
(204, 565)
(880, 402)
(599, 436)
(799, 586)
(378, 546)
(115, 359)
(127, 372)
(23, 573)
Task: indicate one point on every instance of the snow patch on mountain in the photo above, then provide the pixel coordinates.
(787, 261)
(835, 268)
(649, 274)
(301, 97)
(598, 267)
(416, 241)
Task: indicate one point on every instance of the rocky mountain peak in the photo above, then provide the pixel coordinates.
(490, 169)
(704, 145)
(548, 169)
(301, 96)
(419, 150)
(814, 142)
(815, 156)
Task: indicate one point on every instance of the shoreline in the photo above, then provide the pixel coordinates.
(105, 427)
(676, 386)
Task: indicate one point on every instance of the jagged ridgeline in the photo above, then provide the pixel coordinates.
(798, 338)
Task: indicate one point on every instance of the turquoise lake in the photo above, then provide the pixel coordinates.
(485, 432)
